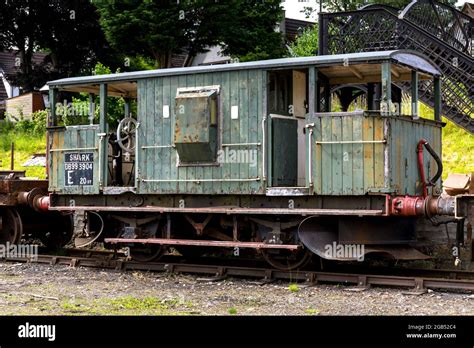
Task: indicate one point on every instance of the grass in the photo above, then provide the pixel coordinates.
(312, 311)
(458, 146)
(293, 288)
(232, 311)
(458, 150)
(127, 305)
(26, 145)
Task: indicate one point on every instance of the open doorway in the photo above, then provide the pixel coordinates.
(288, 108)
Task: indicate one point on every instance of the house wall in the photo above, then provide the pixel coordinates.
(23, 105)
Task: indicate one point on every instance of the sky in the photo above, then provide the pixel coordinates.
(293, 8)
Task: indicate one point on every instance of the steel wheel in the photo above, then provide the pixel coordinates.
(126, 131)
(286, 260)
(60, 234)
(11, 227)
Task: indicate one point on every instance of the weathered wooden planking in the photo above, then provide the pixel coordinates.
(182, 170)
(226, 125)
(191, 187)
(244, 116)
(363, 164)
(150, 131)
(173, 173)
(378, 153)
(72, 140)
(237, 88)
(216, 171)
(57, 142)
(368, 159)
(157, 136)
(358, 153)
(326, 156)
(317, 167)
(337, 154)
(166, 134)
(347, 156)
(234, 129)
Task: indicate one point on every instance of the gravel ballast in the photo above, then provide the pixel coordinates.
(36, 289)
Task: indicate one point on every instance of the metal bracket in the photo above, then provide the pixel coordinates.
(199, 226)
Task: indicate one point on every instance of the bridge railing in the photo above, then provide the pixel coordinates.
(375, 28)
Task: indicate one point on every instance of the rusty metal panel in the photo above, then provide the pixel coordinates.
(208, 243)
(10, 188)
(195, 133)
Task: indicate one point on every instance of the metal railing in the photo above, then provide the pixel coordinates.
(377, 27)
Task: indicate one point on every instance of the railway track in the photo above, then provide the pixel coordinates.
(417, 281)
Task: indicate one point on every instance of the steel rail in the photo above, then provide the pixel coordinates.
(418, 283)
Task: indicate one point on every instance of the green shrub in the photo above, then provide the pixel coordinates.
(40, 119)
(24, 126)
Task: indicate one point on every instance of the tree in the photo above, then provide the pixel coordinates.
(157, 29)
(306, 44)
(18, 30)
(352, 5)
(68, 30)
(248, 30)
(73, 36)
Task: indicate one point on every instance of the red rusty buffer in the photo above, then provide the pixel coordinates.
(24, 213)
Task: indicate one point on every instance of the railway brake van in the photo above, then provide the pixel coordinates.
(251, 159)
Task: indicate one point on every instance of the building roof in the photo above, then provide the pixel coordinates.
(8, 61)
(3, 92)
(468, 9)
(407, 58)
(212, 56)
(294, 27)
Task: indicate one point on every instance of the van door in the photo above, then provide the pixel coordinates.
(74, 159)
(284, 151)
